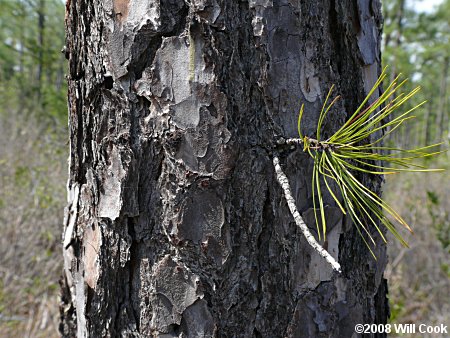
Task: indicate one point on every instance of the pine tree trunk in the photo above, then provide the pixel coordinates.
(176, 225)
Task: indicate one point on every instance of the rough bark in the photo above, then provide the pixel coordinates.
(175, 224)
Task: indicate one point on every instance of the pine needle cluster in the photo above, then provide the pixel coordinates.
(357, 146)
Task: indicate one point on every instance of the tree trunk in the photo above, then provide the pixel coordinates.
(176, 225)
(40, 47)
(442, 116)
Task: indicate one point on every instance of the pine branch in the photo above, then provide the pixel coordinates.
(341, 155)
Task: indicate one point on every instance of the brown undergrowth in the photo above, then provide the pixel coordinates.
(33, 169)
(419, 276)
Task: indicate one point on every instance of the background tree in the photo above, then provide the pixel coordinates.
(417, 44)
(176, 224)
(31, 62)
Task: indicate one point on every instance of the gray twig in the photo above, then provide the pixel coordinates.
(284, 182)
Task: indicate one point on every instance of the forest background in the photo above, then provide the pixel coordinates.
(34, 151)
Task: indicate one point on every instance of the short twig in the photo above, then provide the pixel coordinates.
(297, 141)
(284, 182)
(311, 143)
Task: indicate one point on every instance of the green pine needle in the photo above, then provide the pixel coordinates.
(341, 155)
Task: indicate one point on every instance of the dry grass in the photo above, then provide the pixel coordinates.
(32, 197)
(419, 277)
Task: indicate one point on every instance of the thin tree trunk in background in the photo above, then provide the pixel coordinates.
(176, 226)
(442, 115)
(400, 15)
(40, 65)
(429, 121)
(397, 41)
(21, 47)
(402, 134)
